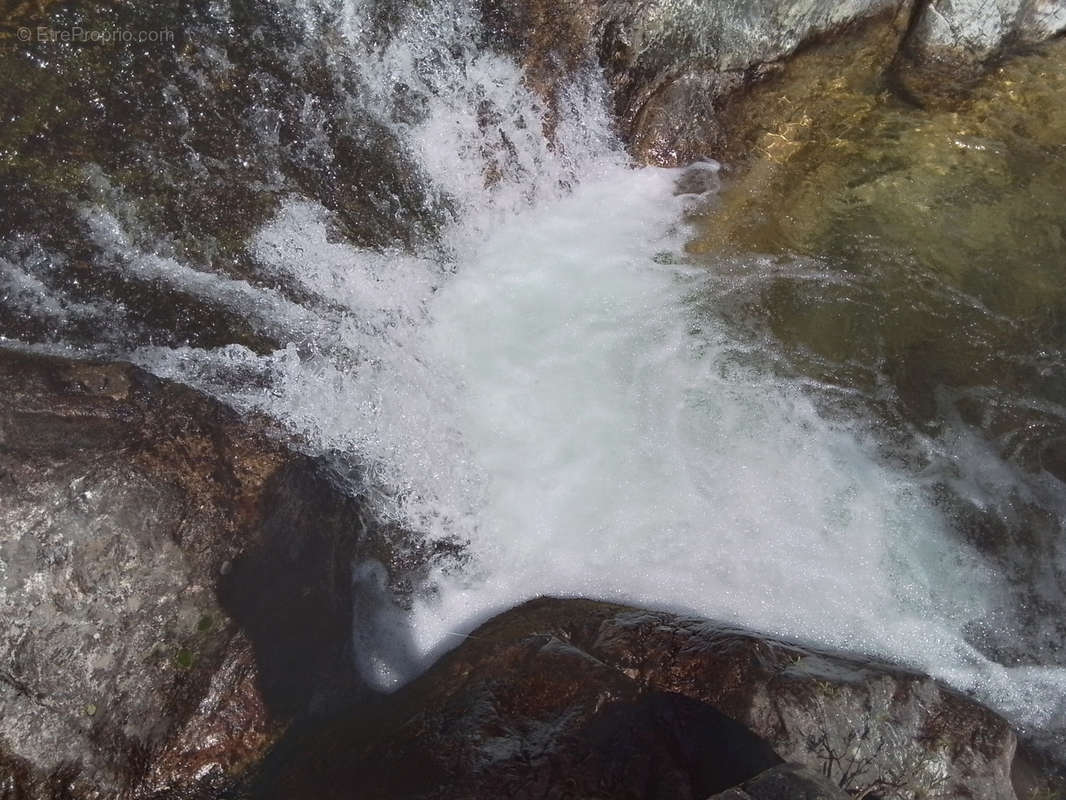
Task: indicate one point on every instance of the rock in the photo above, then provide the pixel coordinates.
(954, 40)
(128, 661)
(786, 782)
(531, 716)
(188, 148)
(675, 68)
(872, 727)
(681, 73)
(575, 698)
(679, 68)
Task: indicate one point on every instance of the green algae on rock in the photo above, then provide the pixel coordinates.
(966, 202)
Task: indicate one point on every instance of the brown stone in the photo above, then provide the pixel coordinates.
(575, 698)
(175, 583)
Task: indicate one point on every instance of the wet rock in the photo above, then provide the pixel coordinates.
(230, 728)
(682, 73)
(574, 698)
(181, 150)
(786, 782)
(678, 69)
(128, 663)
(530, 716)
(291, 590)
(869, 727)
(954, 40)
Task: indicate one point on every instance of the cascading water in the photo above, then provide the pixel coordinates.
(536, 383)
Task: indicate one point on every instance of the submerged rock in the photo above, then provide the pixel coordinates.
(574, 698)
(914, 255)
(174, 584)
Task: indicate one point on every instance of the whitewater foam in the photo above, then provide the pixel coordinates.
(559, 404)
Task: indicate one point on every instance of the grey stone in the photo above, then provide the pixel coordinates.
(792, 782)
(976, 30)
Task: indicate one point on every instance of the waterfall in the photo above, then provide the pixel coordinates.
(532, 380)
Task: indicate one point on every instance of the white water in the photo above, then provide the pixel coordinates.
(540, 387)
(557, 404)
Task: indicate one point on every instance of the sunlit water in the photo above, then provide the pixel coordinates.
(550, 385)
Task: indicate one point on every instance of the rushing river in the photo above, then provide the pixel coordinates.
(585, 378)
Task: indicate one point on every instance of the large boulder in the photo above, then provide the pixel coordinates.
(956, 39)
(175, 585)
(869, 727)
(575, 698)
(530, 715)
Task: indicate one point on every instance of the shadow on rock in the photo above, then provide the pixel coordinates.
(175, 584)
(575, 698)
(291, 592)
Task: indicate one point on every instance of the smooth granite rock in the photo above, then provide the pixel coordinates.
(574, 698)
(174, 583)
